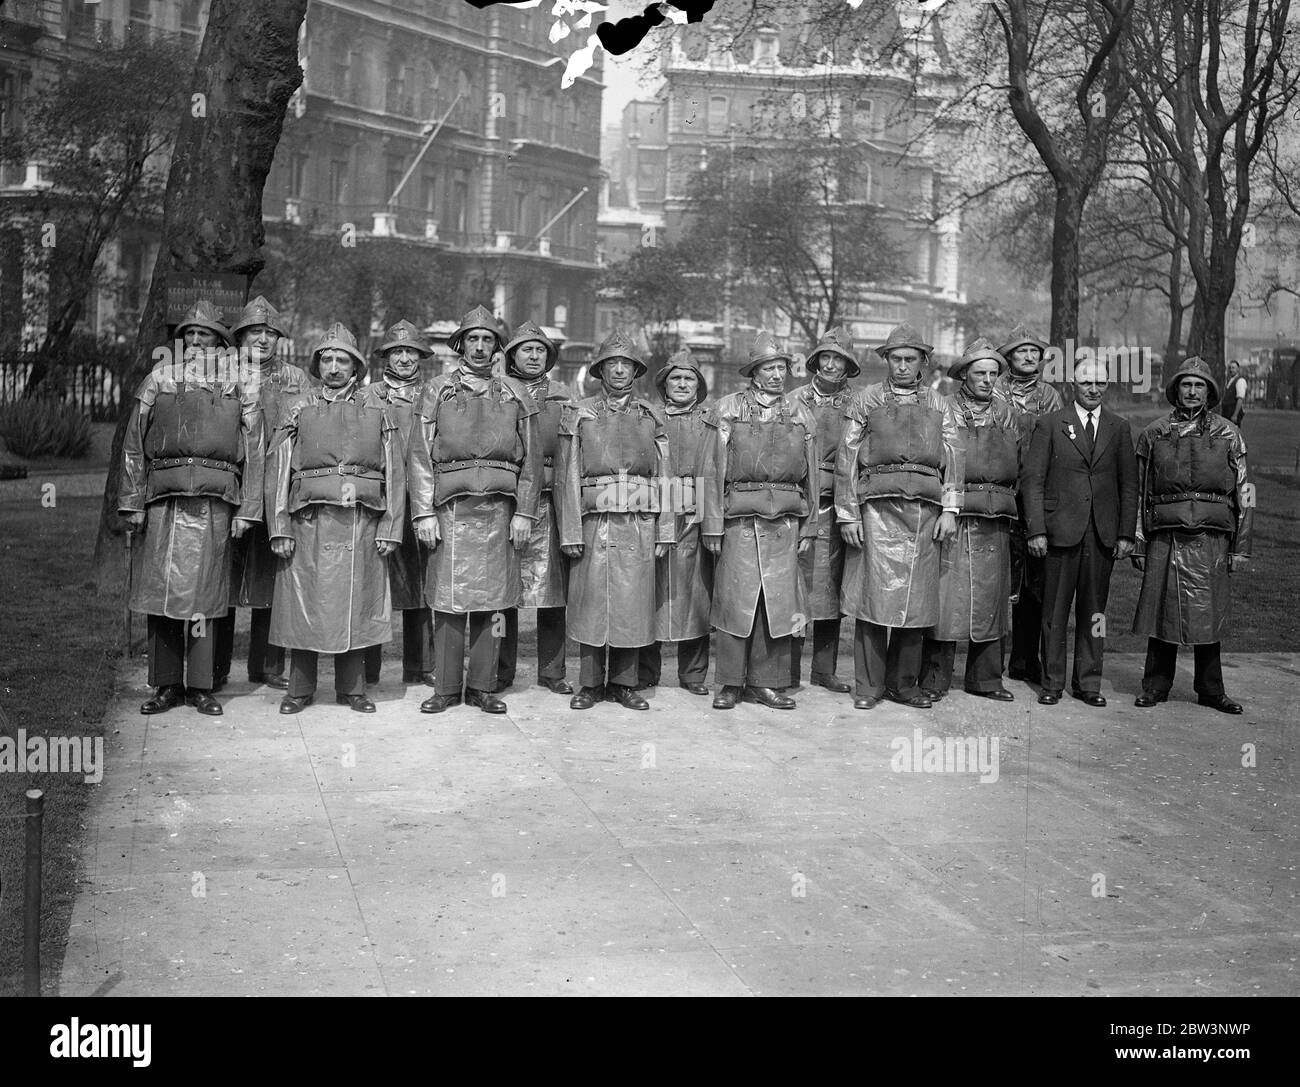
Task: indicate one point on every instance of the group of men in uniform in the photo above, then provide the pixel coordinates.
(977, 518)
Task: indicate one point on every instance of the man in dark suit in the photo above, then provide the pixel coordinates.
(1080, 486)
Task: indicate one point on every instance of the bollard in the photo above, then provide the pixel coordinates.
(32, 896)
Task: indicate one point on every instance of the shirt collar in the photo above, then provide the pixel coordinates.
(1083, 415)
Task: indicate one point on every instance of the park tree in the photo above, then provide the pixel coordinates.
(100, 130)
(1211, 80)
(247, 71)
(659, 285)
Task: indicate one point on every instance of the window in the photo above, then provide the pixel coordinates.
(429, 193)
(397, 92)
(767, 47)
(430, 107)
(338, 181)
(864, 116)
(521, 211)
(297, 173)
(394, 168)
(458, 203)
(717, 114)
(764, 115)
(522, 96)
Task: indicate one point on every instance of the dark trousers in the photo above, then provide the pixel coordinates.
(349, 672)
(621, 669)
(177, 655)
(983, 665)
(826, 651)
(264, 659)
(417, 634)
(1027, 623)
(886, 658)
(1162, 662)
(550, 646)
(759, 660)
(692, 662)
(449, 651)
(1078, 574)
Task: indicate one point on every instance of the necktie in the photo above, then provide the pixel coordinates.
(1092, 430)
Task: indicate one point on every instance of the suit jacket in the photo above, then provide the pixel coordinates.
(1064, 488)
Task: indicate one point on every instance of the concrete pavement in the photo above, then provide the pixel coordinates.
(692, 851)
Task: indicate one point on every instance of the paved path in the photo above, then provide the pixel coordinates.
(686, 850)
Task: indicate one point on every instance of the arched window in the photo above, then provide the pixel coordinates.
(431, 106)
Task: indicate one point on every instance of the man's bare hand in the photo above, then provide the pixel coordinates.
(713, 545)
(1237, 562)
(283, 547)
(385, 547)
(574, 551)
(520, 529)
(426, 531)
(238, 527)
(1037, 546)
(804, 544)
(946, 528)
(852, 533)
(661, 550)
(1123, 549)
(135, 521)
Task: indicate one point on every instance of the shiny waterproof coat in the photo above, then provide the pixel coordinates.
(181, 564)
(543, 569)
(331, 594)
(684, 577)
(893, 580)
(975, 577)
(279, 387)
(822, 565)
(1031, 398)
(406, 564)
(611, 597)
(474, 567)
(1186, 594)
(758, 553)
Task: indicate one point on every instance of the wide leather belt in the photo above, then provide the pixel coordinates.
(1000, 488)
(600, 481)
(206, 462)
(877, 469)
(1162, 499)
(458, 465)
(338, 470)
(746, 486)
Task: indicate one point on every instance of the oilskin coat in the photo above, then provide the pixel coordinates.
(1031, 398)
(975, 585)
(475, 461)
(331, 595)
(192, 458)
(543, 569)
(893, 580)
(406, 564)
(1186, 596)
(822, 565)
(613, 453)
(762, 500)
(279, 386)
(684, 577)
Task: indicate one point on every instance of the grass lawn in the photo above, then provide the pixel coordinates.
(59, 648)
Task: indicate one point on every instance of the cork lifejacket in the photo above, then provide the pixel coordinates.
(766, 468)
(548, 424)
(616, 457)
(1191, 484)
(992, 470)
(830, 429)
(902, 452)
(685, 449)
(338, 457)
(193, 444)
(477, 448)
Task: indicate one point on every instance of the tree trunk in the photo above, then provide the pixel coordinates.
(212, 214)
(1065, 265)
(1173, 342)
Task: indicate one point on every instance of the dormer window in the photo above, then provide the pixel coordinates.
(767, 47)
